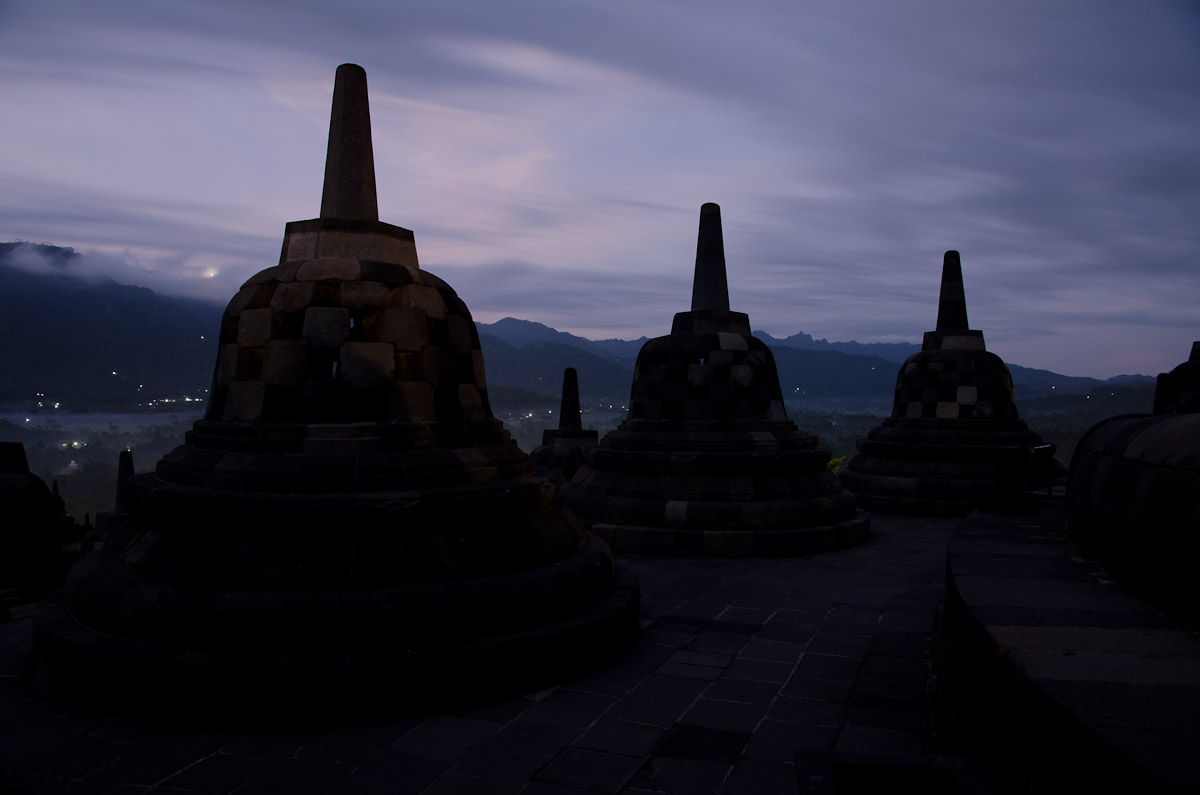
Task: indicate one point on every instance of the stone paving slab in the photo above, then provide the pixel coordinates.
(741, 665)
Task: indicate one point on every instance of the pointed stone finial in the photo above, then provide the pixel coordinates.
(349, 161)
(124, 465)
(952, 306)
(124, 473)
(568, 410)
(710, 289)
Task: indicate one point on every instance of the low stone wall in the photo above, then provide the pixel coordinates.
(1053, 676)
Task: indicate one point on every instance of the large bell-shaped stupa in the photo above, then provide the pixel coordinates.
(954, 440)
(707, 462)
(348, 525)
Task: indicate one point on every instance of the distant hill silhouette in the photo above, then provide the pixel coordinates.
(538, 367)
(64, 336)
(891, 351)
(851, 375)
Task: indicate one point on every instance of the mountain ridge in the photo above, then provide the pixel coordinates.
(96, 342)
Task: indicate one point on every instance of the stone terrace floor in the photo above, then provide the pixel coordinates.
(741, 665)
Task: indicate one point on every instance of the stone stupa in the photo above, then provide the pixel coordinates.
(565, 448)
(954, 441)
(1133, 495)
(348, 526)
(707, 462)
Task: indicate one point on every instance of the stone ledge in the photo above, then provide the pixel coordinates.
(1054, 676)
(763, 542)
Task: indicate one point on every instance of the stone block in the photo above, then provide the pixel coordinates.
(226, 370)
(472, 403)
(244, 401)
(285, 362)
(400, 252)
(967, 395)
(947, 410)
(732, 342)
(408, 366)
(292, 296)
(675, 512)
(366, 364)
(326, 327)
(415, 296)
(411, 400)
(299, 246)
(403, 328)
(741, 374)
(249, 364)
(364, 295)
(254, 327)
(339, 269)
(720, 358)
(963, 343)
(477, 366)
(438, 366)
(460, 333)
(241, 300)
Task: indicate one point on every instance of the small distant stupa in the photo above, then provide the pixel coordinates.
(564, 449)
(954, 437)
(707, 462)
(348, 526)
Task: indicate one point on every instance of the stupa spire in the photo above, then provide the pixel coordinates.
(349, 190)
(568, 410)
(952, 305)
(710, 289)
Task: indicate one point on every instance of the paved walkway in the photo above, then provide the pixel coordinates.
(741, 665)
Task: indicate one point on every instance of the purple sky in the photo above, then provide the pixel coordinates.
(552, 156)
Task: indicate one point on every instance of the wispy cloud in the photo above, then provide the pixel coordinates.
(551, 157)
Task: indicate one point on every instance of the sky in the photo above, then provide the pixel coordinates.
(551, 156)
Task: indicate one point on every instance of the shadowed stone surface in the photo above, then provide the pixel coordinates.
(954, 440)
(34, 529)
(348, 522)
(565, 449)
(1056, 678)
(707, 462)
(596, 732)
(1134, 495)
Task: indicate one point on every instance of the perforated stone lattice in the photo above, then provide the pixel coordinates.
(954, 385)
(343, 340)
(706, 376)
